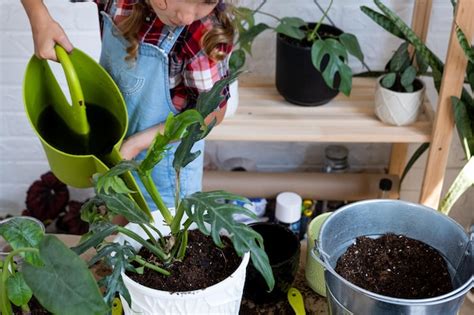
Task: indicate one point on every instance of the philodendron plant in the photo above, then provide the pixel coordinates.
(334, 49)
(58, 278)
(463, 107)
(210, 211)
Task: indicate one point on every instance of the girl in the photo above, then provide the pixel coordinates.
(161, 54)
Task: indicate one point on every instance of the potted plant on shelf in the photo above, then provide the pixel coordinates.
(399, 92)
(143, 246)
(40, 274)
(311, 60)
(463, 107)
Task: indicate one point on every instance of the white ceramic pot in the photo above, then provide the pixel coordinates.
(397, 108)
(222, 298)
(233, 101)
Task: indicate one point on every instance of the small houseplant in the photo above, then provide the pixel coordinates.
(311, 60)
(463, 107)
(210, 212)
(399, 92)
(41, 266)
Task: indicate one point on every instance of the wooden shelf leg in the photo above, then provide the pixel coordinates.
(398, 159)
(451, 85)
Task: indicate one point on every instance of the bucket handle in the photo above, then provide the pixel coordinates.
(74, 116)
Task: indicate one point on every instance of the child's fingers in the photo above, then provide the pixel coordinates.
(64, 42)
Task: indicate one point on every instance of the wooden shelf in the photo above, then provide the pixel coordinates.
(263, 115)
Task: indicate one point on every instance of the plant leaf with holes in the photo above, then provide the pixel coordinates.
(337, 55)
(213, 208)
(118, 257)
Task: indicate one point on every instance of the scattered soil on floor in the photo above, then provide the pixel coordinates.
(204, 265)
(396, 266)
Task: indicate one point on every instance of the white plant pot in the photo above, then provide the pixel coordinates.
(398, 108)
(233, 101)
(222, 298)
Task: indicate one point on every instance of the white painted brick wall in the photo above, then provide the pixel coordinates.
(21, 156)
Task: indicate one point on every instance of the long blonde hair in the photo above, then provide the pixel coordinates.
(222, 34)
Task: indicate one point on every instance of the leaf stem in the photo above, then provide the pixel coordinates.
(156, 250)
(148, 233)
(314, 33)
(5, 306)
(155, 195)
(151, 266)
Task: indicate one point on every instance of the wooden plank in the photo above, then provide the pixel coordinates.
(398, 159)
(333, 186)
(451, 85)
(263, 115)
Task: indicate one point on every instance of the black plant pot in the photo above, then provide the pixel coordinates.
(283, 250)
(297, 80)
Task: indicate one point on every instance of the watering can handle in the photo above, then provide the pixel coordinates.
(78, 121)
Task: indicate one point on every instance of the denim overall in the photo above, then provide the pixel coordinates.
(145, 87)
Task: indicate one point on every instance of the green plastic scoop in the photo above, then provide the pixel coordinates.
(88, 83)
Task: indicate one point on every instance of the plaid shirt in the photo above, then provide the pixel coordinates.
(191, 71)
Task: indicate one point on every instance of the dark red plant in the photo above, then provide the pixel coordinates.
(46, 198)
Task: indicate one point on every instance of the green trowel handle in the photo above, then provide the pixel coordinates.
(113, 158)
(74, 115)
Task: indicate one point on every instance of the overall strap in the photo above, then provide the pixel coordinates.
(170, 39)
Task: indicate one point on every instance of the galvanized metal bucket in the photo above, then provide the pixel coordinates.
(374, 218)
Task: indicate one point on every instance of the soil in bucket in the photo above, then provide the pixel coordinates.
(396, 266)
(105, 132)
(204, 265)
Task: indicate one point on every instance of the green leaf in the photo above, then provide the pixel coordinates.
(421, 149)
(464, 125)
(470, 74)
(64, 285)
(408, 76)
(247, 37)
(291, 27)
(125, 206)
(337, 55)
(400, 59)
(237, 60)
(22, 232)
(421, 63)
(117, 257)
(465, 45)
(352, 45)
(388, 80)
(18, 291)
(211, 208)
(463, 182)
(207, 102)
(244, 14)
(383, 21)
(110, 180)
(98, 232)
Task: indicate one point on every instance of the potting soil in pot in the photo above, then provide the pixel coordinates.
(396, 266)
(204, 265)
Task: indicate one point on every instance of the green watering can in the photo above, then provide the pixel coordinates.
(88, 84)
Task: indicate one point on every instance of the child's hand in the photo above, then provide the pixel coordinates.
(46, 35)
(129, 148)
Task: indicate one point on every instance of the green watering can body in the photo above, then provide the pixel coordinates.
(88, 83)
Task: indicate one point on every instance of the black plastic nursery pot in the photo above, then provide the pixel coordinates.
(297, 80)
(283, 250)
